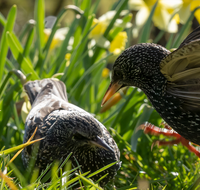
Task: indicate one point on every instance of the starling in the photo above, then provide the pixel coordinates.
(66, 128)
(171, 81)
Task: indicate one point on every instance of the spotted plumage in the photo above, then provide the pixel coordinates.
(171, 81)
(66, 128)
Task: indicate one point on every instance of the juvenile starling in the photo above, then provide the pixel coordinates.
(171, 81)
(67, 128)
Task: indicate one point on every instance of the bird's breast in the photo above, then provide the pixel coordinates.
(184, 122)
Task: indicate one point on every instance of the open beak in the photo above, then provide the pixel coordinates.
(113, 87)
(101, 144)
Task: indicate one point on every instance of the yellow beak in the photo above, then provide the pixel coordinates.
(113, 87)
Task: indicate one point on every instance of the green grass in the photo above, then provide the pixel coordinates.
(163, 167)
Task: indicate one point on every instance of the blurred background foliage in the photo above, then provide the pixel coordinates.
(78, 45)
(52, 8)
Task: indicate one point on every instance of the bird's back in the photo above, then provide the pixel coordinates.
(46, 96)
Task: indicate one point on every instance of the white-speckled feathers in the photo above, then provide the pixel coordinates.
(171, 81)
(67, 128)
(182, 70)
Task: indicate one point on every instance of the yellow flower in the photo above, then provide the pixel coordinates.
(67, 58)
(103, 22)
(26, 107)
(99, 29)
(118, 44)
(58, 37)
(105, 72)
(186, 8)
(162, 14)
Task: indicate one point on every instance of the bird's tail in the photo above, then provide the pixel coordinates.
(33, 88)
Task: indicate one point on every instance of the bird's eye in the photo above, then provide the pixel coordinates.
(118, 73)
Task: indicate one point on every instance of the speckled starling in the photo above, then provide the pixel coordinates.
(67, 128)
(171, 81)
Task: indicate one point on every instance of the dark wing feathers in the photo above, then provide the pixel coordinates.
(182, 70)
(195, 35)
(182, 64)
(189, 94)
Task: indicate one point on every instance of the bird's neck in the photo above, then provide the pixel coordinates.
(159, 97)
(155, 86)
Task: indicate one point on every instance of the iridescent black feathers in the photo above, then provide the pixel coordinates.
(67, 128)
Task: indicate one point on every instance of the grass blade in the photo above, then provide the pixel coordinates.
(102, 169)
(4, 45)
(39, 18)
(122, 108)
(61, 13)
(4, 84)
(10, 150)
(2, 20)
(89, 182)
(28, 43)
(147, 110)
(87, 72)
(8, 181)
(17, 51)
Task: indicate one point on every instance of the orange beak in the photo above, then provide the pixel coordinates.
(113, 87)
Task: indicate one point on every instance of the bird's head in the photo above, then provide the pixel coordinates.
(88, 131)
(136, 66)
(89, 141)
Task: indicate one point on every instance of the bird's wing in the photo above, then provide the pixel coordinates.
(46, 96)
(183, 64)
(195, 35)
(34, 87)
(182, 70)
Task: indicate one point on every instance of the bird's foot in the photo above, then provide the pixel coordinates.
(167, 131)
